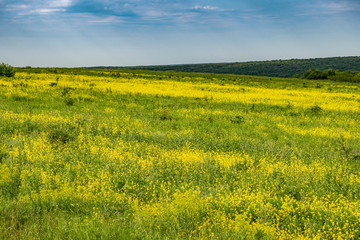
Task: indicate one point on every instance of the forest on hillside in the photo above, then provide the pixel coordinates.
(274, 68)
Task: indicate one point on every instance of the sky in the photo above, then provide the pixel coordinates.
(79, 33)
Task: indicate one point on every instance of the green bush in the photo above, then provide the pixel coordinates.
(6, 70)
(347, 76)
(330, 72)
(315, 74)
(333, 75)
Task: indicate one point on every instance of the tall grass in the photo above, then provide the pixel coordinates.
(195, 156)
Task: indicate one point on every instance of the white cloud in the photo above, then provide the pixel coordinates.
(209, 8)
(140, 12)
(18, 7)
(111, 19)
(197, 7)
(43, 7)
(47, 10)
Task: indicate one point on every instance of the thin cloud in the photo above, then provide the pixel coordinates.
(197, 7)
(142, 13)
(210, 8)
(46, 10)
(36, 7)
(60, 3)
(110, 19)
(332, 7)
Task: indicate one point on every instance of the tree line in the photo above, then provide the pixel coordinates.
(274, 68)
(334, 75)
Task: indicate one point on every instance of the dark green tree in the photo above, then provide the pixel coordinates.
(7, 70)
(330, 72)
(315, 74)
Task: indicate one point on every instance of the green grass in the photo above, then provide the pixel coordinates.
(125, 154)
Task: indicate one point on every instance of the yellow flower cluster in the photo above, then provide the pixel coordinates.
(183, 159)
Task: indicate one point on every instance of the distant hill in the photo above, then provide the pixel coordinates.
(275, 68)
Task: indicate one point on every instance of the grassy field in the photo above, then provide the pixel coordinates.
(121, 154)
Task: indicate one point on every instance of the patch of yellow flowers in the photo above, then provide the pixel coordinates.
(183, 191)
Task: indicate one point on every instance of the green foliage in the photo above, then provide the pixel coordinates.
(238, 119)
(315, 109)
(60, 135)
(3, 152)
(347, 76)
(7, 70)
(190, 156)
(330, 72)
(65, 95)
(274, 68)
(314, 74)
(69, 101)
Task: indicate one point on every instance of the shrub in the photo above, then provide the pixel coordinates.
(330, 72)
(315, 109)
(65, 95)
(7, 70)
(3, 152)
(62, 134)
(69, 101)
(164, 114)
(347, 76)
(238, 119)
(315, 74)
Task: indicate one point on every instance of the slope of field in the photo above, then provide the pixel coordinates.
(275, 68)
(105, 154)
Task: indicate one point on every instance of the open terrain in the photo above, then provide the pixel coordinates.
(130, 154)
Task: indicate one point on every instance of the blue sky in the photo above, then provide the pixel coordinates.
(73, 33)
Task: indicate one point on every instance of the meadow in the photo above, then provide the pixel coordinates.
(130, 154)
